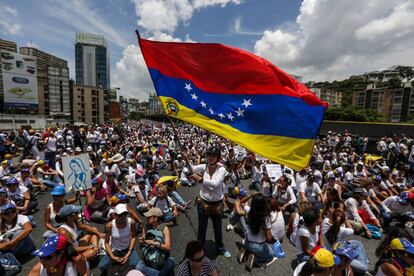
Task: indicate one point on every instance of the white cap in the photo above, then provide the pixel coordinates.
(78, 149)
(120, 209)
(89, 148)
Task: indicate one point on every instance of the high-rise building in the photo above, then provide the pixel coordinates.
(52, 82)
(155, 105)
(87, 104)
(334, 98)
(92, 61)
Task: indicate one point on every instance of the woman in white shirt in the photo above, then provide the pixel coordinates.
(277, 220)
(285, 195)
(259, 234)
(336, 229)
(210, 201)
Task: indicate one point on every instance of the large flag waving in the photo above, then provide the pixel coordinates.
(237, 95)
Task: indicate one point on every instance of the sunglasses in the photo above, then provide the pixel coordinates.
(198, 260)
(10, 212)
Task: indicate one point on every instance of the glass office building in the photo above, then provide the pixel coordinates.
(92, 61)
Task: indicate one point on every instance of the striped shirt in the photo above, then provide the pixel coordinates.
(206, 269)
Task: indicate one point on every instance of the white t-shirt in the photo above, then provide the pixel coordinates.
(288, 196)
(145, 193)
(21, 220)
(311, 191)
(278, 225)
(212, 188)
(259, 237)
(391, 203)
(162, 203)
(18, 195)
(343, 234)
(312, 238)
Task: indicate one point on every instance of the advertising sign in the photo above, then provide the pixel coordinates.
(90, 39)
(19, 80)
(274, 171)
(77, 172)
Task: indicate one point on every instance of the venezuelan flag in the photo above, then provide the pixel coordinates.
(236, 95)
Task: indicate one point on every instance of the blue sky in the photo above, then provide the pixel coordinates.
(318, 39)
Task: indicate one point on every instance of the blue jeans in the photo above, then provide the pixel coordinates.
(263, 252)
(202, 228)
(177, 198)
(50, 156)
(133, 260)
(24, 247)
(168, 217)
(149, 271)
(235, 218)
(361, 263)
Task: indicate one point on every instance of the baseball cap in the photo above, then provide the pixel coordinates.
(154, 212)
(78, 149)
(41, 162)
(402, 244)
(345, 249)
(240, 191)
(51, 245)
(120, 209)
(405, 198)
(58, 190)
(25, 170)
(68, 210)
(331, 175)
(361, 191)
(324, 257)
(3, 192)
(7, 206)
(97, 180)
(5, 162)
(112, 174)
(8, 156)
(89, 148)
(12, 181)
(118, 197)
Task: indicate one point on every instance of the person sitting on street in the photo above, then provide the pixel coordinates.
(309, 191)
(21, 196)
(320, 263)
(400, 260)
(400, 208)
(196, 262)
(165, 203)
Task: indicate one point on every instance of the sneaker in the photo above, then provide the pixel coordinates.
(229, 227)
(226, 254)
(249, 262)
(241, 254)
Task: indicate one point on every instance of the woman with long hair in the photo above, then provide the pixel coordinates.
(276, 219)
(336, 228)
(259, 234)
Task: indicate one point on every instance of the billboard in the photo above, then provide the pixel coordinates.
(90, 39)
(19, 80)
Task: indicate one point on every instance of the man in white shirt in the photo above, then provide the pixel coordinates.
(356, 203)
(309, 191)
(399, 207)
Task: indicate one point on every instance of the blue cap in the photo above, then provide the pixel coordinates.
(7, 206)
(12, 181)
(50, 246)
(346, 249)
(25, 170)
(58, 190)
(402, 244)
(68, 210)
(121, 197)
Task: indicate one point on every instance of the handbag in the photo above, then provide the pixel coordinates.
(211, 208)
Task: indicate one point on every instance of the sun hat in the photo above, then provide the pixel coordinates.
(51, 245)
(58, 190)
(345, 249)
(117, 158)
(120, 209)
(402, 244)
(68, 210)
(324, 257)
(154, 212)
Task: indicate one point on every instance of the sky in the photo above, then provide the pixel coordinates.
(316, 39)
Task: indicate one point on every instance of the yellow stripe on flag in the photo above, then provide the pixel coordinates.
(280, 149)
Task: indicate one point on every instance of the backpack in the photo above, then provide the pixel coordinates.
(9, 265)
(152, 256)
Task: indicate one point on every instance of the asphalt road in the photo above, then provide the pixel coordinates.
(186, 231)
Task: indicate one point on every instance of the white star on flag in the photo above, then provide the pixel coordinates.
(203, 104)
(240, 112)
(230, 116)
(246, 103)
(188, 87)
(211, 111)
(194, 97)
(221, 116)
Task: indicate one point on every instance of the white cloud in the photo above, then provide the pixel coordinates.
(197, 4)
(9, 22)
(79, 15)
(131, 73)
(335, 39)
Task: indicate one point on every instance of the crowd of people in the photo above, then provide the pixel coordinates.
(137, 170)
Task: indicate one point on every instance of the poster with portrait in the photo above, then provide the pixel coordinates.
(77, 172)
